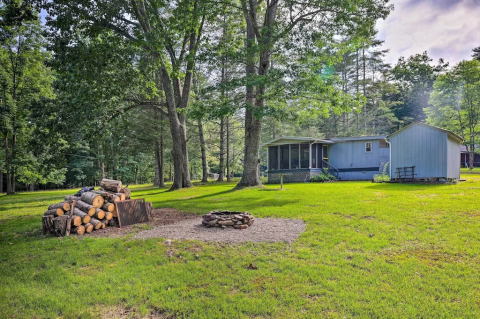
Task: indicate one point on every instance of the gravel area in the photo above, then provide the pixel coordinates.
(263, 230)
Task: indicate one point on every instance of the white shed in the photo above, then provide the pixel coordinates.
(435, 152)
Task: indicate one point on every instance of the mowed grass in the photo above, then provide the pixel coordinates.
(369, 251)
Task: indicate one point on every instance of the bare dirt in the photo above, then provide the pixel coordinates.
(262, 230)
(161, 216)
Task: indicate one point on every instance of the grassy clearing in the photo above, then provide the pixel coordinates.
(370, 250)
(466, 170)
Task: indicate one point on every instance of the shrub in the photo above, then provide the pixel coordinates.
(380, 178)
(323, 177)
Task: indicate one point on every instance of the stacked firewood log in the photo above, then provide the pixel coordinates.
(91, 211)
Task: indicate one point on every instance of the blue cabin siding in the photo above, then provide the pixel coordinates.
(433, 152)
(350, 158)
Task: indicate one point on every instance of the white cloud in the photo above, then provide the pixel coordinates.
(447, 29)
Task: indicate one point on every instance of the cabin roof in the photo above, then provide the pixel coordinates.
(295, 139)
(358, 138)
(427, 125)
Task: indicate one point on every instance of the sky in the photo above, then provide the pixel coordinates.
(447, 29)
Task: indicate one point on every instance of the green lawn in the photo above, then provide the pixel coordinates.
(466, 170)
(369, 251)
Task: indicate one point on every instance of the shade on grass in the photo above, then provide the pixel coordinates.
(370, 250)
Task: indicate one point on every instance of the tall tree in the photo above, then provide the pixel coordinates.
(272, 23)
(24, 80)
(166, 35)
(455, 103)
(415, 77)
(476, 53)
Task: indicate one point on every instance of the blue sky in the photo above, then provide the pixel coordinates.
(447, 29)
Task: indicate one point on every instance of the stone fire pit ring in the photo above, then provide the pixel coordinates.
(227, 219)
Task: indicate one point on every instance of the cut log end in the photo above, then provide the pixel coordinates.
(56, 212)
(80, 230)
(93, 199)
(108, 216)
(88, 228)
(76, 220)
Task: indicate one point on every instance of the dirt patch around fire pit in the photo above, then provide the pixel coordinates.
(263, 230)
(161, 217)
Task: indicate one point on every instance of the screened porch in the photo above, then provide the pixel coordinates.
(297, 156)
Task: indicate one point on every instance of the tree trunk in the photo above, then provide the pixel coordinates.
(161, 168)
(14, 169)
(221, 166)
(204, 152)
(1, 180)
(229, 177)
(253, 124)
(471, 159)
(7, 166)
(156, 180)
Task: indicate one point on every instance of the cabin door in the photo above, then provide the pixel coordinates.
(325, 156)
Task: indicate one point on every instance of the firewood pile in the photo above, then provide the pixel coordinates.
(92, 210)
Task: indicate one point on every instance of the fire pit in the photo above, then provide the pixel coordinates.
(226, 218)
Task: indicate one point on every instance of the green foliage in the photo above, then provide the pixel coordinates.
(323, 177)
(415, 77)
(383, 177)
(455, 101)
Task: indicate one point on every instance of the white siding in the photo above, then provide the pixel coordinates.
(425, 148)
(453, 149)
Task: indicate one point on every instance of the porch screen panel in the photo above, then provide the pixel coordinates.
(284, 150)
(273, 157)
(314, 155)
(304, 155)
(295, 156)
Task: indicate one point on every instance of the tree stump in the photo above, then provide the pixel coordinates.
(47, 224)
(60, 225)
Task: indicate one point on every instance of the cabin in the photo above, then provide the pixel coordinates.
(433, 151)
(300, 158)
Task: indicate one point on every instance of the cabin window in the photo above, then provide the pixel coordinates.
(368, 147)
(294, 156)
(383, 144)
(304, 155)
(273, 157)
(284, 156)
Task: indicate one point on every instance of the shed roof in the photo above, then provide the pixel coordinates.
(293, 140)
(427, 125)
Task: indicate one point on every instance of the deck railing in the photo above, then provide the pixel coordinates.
(331, 168)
